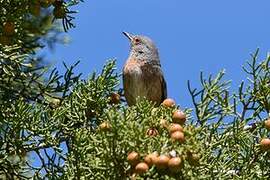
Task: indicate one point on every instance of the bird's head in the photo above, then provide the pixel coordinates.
(142, 47)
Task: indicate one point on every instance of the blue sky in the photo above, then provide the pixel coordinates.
(192, 36)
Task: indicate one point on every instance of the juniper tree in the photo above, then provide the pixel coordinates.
(57, 126)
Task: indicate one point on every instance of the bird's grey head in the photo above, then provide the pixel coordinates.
(142, 47)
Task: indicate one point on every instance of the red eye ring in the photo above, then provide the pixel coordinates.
(137, 40)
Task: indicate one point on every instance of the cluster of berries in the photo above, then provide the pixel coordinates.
(10, 27)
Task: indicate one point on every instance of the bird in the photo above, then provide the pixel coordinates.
(142, 73)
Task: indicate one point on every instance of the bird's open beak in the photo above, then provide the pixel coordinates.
(129, 36)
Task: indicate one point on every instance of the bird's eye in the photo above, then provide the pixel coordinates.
(137, 40)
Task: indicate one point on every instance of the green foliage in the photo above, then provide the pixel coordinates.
(102, 154)
(56, 126)
(231, 140)
(68, 141)
(225, 132)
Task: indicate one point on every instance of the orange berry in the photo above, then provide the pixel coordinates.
(192, 158)
(152, 132)
(162, 162)
(267, 124)
(178, 136)
(105, 126)
(115, 98)
(175, 127)
(168, 103)
(151, 159)
(9, 28)
(179, 117)
(265, 144)
(141, 168)
(133, 158)
(175, 164)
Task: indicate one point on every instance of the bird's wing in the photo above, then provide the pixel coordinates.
(164, 88)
